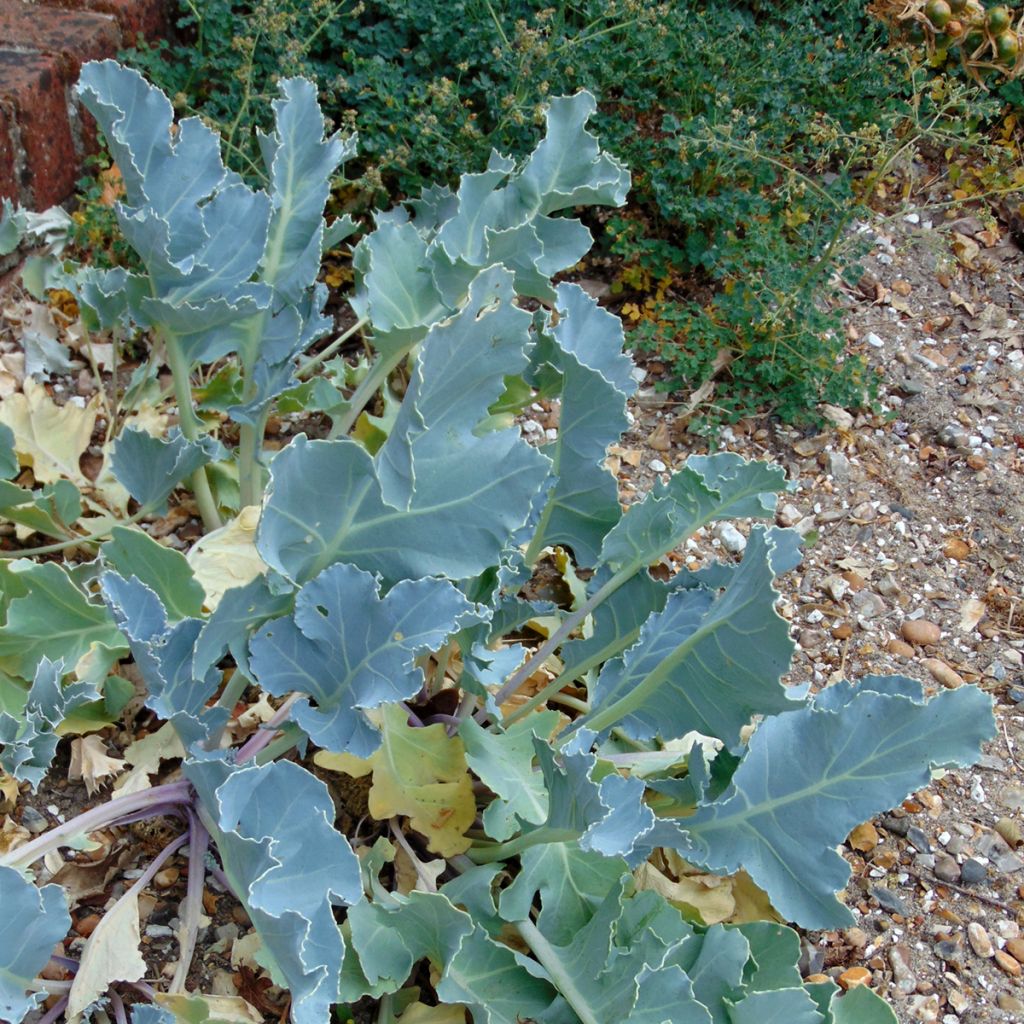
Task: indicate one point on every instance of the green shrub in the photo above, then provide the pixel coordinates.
(744, 125)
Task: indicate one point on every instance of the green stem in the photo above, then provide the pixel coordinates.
(191, 427)
(555, 966)
(367, 388)
(314, 361)
(290, 737)
(250, 470)
(74, 542)
(514, 847)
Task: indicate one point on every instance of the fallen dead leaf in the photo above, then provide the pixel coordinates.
(965, 249)
(91, 763)
(228, 557)
(972, 611)
(49, 437)
(111, 954)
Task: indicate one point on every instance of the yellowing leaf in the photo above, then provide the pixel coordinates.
(91, 763)
(145, 757)
(49, 437)
(422, 774)
(357, 767)
(111, 954)
(227, 557)
(420, 1013)
(710, 896)
(203, 1009)
(8, 792)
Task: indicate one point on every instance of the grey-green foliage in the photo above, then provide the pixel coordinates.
(412, 555)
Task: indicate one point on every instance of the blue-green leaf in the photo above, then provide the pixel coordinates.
(166, 572)
(709, 487)
(28, 742)
(782, 817)
(289, 867)
(33, 921)
(350, 650)
(149, 468)
(330, 502)
(702, 664)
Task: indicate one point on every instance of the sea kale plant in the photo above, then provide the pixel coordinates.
(539, 749)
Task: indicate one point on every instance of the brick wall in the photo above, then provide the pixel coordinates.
(44, 134)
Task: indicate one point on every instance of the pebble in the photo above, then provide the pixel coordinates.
(839, 466)
(897, 826)
(949, 950)
(979, 940)
(942, 673)
(869, 605)
(864, 837)
(788, 515)
(956, 846)
(87, 925)
(925, 1008)
(902, 969)
(856, 937)
(159, 931)
(1009, 830)
(888, 900)
(1015, 947)
(920, 631)
(657, 466)
(33, 820)
(946, 868)
(874, 341)
(957, 1000)
(1010, 1003)
(900, 648)
(1007, 963)
(165, 878)
(918, 840)
(732, 540)
(972, 872)
(857, 976)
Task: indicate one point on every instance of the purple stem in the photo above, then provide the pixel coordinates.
(118, 1005)
(154, 866)
(217, 872)
(147, 990)
(54, 1012)
(96, 818)
(192, 905)
(267, 731)
(414, 720)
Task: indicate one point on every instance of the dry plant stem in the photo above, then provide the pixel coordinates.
(96, 818)
(421, 873)
(192, 906)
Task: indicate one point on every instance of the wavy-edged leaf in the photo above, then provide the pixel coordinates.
(33, 921)
(709, 487)
(28, 741)
(330, 502)
(351, 649)
(583, 504)
(151, 467)
(54, 619)
(861, 753)
(701, 664)
(611, 971)
(52, 510)
(131, 552)
(164, 653)
(289, 867)
(503, 761)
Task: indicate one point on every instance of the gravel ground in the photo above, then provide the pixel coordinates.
(914, 520)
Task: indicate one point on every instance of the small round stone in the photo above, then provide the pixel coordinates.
(920, 631)
(971, 872)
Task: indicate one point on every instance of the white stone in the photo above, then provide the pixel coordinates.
(874, 340)
(732, 540)
(657, 466)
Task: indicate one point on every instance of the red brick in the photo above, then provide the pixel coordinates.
(9, 187)
(33, 97)
(71, 36)
(136, 17)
